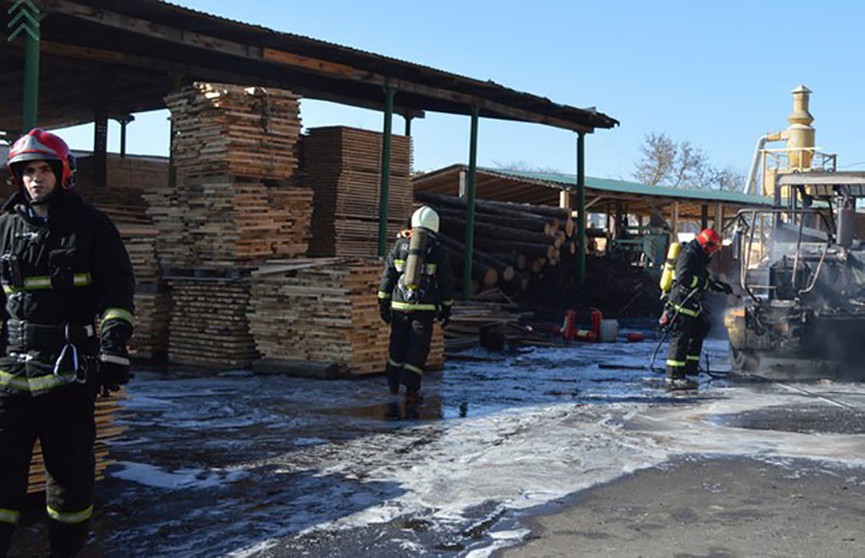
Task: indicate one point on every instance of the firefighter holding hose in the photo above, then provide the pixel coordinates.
(684, 312)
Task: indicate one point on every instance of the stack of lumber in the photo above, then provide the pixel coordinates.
(235, 205)
(234, 130)
(130, 173)
(513, 244)
(234, 221)
(127, 208)
(208, 325)
(320, 317)
(152, 300)
(235, 200)
(106, 430)
(490, 312)
(343, 166)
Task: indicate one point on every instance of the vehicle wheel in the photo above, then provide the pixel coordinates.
(743, 361)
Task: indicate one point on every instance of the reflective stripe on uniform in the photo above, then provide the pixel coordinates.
(694, 282)
(694, 357)
(383, 295)
(686, 311)
(70, 517)
(415, 369)
(448, 302)
(37, 384)
(676, 363)
(118, 314)
(408, 306)
(10, 516)
(430, 269)
(39, 283)
(394, 363)
(399, 265)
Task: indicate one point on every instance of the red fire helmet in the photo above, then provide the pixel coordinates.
(39, 145)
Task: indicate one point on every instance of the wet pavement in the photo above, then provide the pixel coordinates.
(247, 465)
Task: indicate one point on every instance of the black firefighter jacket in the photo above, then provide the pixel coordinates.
(436, 288)
(692, 279)
(61, 276)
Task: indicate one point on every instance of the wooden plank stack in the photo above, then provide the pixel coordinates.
(323, 310)
(152, 300)
(208, 325)
(123, 202)
(343, 166)
(234, 130)
(235, 200)
(235, 205)
(107, 409)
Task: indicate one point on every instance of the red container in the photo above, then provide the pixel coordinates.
(569, 326)
(597, 317)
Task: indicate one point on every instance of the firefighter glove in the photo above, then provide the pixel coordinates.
(384, 310)
(113, 371)
(445, 315)
(113, 358)
(722, 287)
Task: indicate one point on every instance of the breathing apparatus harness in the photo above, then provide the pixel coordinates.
(411, 282)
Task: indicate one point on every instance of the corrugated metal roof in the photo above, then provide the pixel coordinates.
(144, 49)
(569, 181)
(602, 194)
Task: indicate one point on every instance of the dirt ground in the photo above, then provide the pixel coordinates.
(719, 508)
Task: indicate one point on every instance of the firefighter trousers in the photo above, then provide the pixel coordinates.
(686, 344)
(410, 336)
(63, 422)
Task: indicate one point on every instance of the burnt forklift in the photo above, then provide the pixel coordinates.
(802, 276)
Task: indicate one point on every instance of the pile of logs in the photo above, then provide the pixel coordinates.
(319, 317)
(513, 243)
(343, 166)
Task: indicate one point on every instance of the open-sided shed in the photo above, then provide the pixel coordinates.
(603, 195)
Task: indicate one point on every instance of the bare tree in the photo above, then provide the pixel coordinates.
(681, 165)
(659, 154)
(728, 179)
(521, 166)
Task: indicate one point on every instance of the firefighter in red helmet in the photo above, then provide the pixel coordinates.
(67, 316)
(690, 322)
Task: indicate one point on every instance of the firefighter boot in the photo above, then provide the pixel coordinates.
(413, 397)
(681, 384)
(692, 367)
(393, 373)
(67, 540)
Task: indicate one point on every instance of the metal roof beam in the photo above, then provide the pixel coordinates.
(174, 68)
(488, 108)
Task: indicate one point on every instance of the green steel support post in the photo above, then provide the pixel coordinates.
(470, 205)
(30, 103)
(24, 17)
(581, 209)
(385, 171)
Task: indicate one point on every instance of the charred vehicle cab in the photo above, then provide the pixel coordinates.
(802, 271)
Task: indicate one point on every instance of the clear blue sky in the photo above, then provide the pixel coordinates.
(718, 74)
